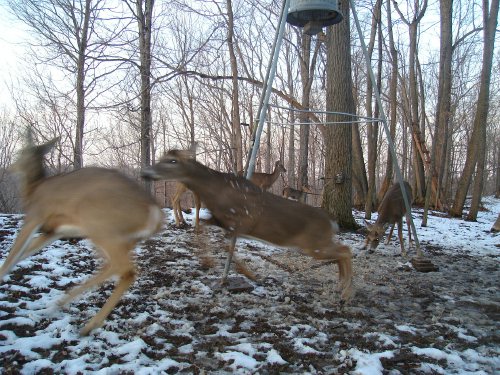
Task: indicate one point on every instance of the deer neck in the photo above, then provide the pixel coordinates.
(31, 180)
(275, 174)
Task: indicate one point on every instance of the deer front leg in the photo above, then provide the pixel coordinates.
(390, 234)
(240, 267)
(229, 259)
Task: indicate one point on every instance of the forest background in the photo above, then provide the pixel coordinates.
(121, 82)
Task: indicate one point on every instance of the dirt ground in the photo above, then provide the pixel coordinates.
(289, 321)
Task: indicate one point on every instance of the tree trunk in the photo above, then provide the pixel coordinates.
(337, 196)
(393, 96)
(235, 111)
(442, 117)
(145, 22)
(372, 127)
(490, 20)
(80, 88)
(417, 132)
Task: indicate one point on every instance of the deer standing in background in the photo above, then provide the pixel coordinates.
(265, 180)
(496, 225)
(103, 205)
(176, 205)
(245, 210)
(390, 211)
(298, 195)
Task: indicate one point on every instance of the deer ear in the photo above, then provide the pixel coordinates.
(368, 225)
(386, 225)
(46, 147)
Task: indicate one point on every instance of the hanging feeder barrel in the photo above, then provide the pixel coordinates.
(313, 15)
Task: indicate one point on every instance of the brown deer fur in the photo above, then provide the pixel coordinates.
(96, 203)
(245, 210)
(390, 211)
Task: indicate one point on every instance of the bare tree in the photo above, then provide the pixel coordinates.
(475, 152)
(63, 30)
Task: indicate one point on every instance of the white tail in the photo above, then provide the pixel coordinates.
(110, 209)
(390, 211)
(298, 195)
(245, 210)
(266, 180)
(176, 205)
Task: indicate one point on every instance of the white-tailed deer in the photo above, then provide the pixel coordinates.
(496, 225)
(390, 211)
(180, 189)
(266, 180)
(103, 205)
(245, 210)
(298, 195)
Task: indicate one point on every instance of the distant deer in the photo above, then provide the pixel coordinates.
(96, 203)
(390, 211)
(245, 210)
(298, 195)
(496, 225)
(176, 205)
(266, 180)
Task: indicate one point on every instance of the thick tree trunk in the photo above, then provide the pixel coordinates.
(337, 196)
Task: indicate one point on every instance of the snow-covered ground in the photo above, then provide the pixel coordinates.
(176, 318)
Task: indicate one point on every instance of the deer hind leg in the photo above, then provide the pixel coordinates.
(24, 245)
(343, 256)
(119, 263)
(179, 218)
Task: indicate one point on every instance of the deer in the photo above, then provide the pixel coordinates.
(245, 210)
(266, 180)
(176, 206)
(298, 195)
(100, 204)
(390, 211)
(496, 225)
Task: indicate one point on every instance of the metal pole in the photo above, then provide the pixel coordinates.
(267, 92)
(386, 128)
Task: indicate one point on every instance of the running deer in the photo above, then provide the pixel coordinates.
(180, 189)
(245, 210)
(390, 211)
(266, 180)
(103, 205)
(298, 195)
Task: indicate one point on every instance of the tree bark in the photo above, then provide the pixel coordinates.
(237, 145)
(490, 20)
(337, 196)
(144, 9)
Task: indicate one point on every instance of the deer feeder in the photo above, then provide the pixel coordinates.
(313, 15)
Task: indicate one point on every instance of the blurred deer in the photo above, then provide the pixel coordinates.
(298, 195)
(266, 180)
(245, 210)
(176, 205)
(110, 209)
(390, 211)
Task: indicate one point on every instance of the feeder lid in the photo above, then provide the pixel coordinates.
(313, 15)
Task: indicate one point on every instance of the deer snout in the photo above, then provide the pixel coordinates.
(150, 174)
